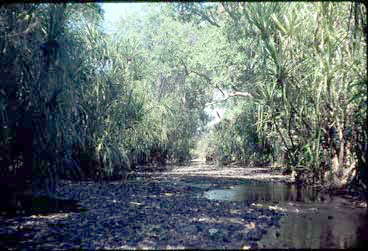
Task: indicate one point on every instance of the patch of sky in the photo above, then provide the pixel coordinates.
(115, 11)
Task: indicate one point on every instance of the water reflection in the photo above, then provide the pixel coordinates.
(266, 192)
(322, 221)
(336, 228)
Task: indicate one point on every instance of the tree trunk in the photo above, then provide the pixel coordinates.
(343, 166)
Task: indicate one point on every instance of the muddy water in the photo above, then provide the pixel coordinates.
(311, 219)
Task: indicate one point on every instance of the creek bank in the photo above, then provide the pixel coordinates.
(351, 191)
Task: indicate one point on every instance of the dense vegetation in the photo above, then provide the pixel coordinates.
(299, 70)
(77, 102)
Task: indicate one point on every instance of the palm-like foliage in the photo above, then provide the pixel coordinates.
(302, 64)
(106, 103)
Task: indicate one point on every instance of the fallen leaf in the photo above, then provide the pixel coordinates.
(212, 231)
(234, 211)
(251, 225)
(257, 204)
(135, 203)
(277, 208)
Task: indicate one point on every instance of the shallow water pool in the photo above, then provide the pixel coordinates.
(312, 219)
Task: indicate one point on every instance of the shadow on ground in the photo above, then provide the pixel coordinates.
(44, 205)
(40, 206)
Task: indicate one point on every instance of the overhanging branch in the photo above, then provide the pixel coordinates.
(234, 94)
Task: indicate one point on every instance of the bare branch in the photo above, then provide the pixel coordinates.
(234, 94)
(218, 88)
(208, 19)
(242, 94)
(201, 75)
(208, 80)
(185, 67)
(205, 17)
(228, 10)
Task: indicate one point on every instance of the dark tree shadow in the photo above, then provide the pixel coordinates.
(40, 205)
(35, 205)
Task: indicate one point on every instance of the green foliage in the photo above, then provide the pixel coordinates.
(292, 76)
(236, 138)
(301, 64)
